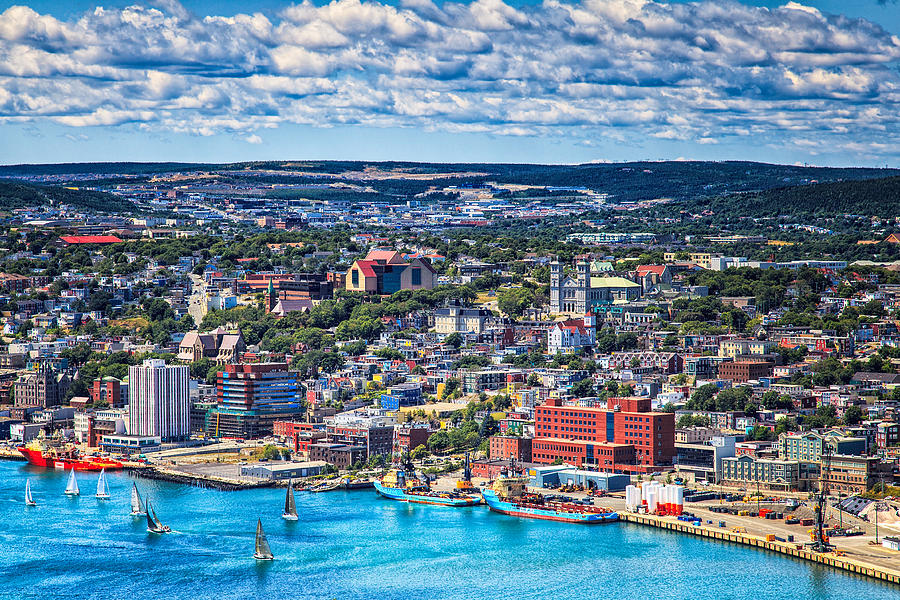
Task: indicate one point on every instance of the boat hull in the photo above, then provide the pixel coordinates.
(548, 513)
(288, 517)
(400, 495)
(42, 459)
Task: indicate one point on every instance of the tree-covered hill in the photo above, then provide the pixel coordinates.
(871, 197)
(22, 195)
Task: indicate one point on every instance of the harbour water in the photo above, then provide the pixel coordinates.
(355, 545)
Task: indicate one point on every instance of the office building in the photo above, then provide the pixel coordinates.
(158, 401)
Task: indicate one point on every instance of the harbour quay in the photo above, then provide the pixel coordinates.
(856, 557)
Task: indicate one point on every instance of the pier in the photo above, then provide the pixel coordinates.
(851, 564)
(199, 480)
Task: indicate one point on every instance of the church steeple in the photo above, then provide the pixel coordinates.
(271, 299)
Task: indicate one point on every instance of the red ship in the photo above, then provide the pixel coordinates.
(40, 454)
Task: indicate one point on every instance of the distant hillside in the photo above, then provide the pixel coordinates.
(871, 197)
(680, 180)
(21, 195)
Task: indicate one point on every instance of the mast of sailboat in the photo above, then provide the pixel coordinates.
(262, 550)
(290, 504)
(72, 486)
(102, 491)
(151, 526)
(137, 507)
(29, 501)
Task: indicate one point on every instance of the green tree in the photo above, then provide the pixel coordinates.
(853, 415)
(583, 388)
(438, 441)
(454, 340)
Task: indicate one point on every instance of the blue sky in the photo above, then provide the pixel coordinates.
(557, 81)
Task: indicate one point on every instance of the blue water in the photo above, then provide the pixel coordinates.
(356, 545)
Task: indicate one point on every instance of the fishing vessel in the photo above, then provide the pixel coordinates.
(72, 485)
(137, 507)
(396, 485)
(102, 488)
(29, 501)
(54, 455)
(290, 506)
(262, 550)
(508, 496)
(153, 524)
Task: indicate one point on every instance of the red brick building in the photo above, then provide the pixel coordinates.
(299, 435)
(410, 438)
(109, 390)
(625, 437)
(505, 447)
(742, 371)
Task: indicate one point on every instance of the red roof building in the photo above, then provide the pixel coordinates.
(70, 240)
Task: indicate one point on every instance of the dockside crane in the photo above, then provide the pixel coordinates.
(820, 542)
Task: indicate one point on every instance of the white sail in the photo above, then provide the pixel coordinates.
(102, 489)
(72, 487)
(263, 552)
(137, 507)
(29, 501)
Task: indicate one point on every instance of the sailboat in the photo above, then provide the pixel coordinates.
(137, 507)
(102, 488)
(290, 506)
(153, 524)
(262, 544)
(29, 501)
(72, 486)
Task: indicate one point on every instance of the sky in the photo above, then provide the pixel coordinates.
(555, 81)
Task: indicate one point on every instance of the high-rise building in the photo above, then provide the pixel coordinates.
(251, 397)
(159, 401)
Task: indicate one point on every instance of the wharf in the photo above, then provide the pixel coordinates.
(846, 563)
(6, 454)
(202, 480)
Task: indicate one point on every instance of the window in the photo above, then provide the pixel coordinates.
(354, 277)
(417, 276)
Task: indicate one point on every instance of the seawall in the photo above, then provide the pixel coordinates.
(845, 563)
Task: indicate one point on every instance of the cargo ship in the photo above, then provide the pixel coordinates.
(41, 454)
(508, 496)
(395, 485)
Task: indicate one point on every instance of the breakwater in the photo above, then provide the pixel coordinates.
(845, 563)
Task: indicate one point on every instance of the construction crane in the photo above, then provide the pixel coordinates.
(820, 540)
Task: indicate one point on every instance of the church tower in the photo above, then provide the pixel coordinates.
(555, 286)
(582, 292)
(271, 297)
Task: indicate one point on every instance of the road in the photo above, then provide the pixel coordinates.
(197, 301)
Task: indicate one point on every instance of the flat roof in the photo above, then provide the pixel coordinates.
(289, 466)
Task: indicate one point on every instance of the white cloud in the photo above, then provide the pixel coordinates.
(704, 72)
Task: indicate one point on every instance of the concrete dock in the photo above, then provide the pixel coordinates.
(856, 557)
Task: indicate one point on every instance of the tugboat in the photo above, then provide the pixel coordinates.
(508, 496)
(55, 455)
(402, 484)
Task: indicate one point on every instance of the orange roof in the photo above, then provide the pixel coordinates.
(655, 269)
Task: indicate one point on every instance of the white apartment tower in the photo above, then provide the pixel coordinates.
(158, 401)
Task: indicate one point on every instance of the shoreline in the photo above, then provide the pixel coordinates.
(843, 563)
